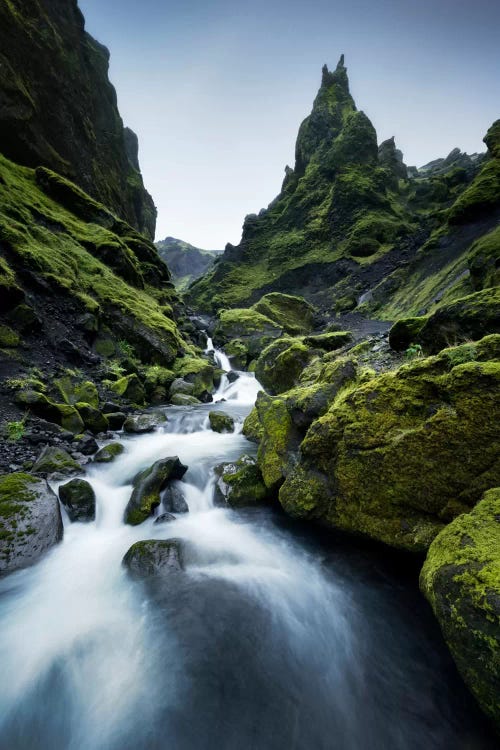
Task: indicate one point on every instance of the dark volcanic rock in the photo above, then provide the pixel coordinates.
(78, 498)
(165, 518)
(147, 487)
(154, 557)
(173, 499)
(30, 520)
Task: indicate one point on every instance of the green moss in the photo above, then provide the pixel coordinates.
(240, 484)
(8, 337)
(279, 372)
(220, 422)
(252, 428)
(481, 197)
(93, 419)
(108, 453)
(484, 260)
(292, 313)
(279, 438)
(55, 460)
(74, 392)
(131, 388)
(461, 579)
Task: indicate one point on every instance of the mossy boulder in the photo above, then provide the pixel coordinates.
(237, 352)
(93, 419)
(294, 314)
(183, 399)
(78, 392)
(240, 484)
(220, 422)
(53, 460)
(116, 420)
(130, 388)
(30, 520)
(250, 327)
(252, 428)
(63, 414)
(78, 497)
(461, 580)
(397, 458)
(147, 487)
(108, 453)
(198, 373)
(329, 342)
(405, 332)
(278, 447)
(8, 338)
(281, 363)
(154, 557)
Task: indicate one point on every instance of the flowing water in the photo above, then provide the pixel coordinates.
(273, 638)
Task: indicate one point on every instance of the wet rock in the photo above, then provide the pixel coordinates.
(220, 422)
(142, 423)
(30, 520)
(93, 419)
(78, 497)
(116, 420)
(86, 444)
(240, 484)
(460, 578)
(154, 557)
(147, 487)
(173, 499)
(232, 376)
(108, 453)
(131, 388)
(55, 460)
(182, 399)
(165, 518)
(110, 408)
(181, 386)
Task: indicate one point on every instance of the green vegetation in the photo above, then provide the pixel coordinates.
(15, 430)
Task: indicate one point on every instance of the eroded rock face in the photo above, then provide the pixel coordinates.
(30, 520)
(154, 557)
(60, 110)
(399, 457)
(78, 497)
(147, 487)
(461, 580)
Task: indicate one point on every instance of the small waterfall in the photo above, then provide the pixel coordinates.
(264, 642)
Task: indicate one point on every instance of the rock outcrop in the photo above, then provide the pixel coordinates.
(186, 262)
(59, 110)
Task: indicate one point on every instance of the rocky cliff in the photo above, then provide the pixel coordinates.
(349, 221)
(59, 110)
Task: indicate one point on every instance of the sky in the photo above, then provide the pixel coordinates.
(216, 89)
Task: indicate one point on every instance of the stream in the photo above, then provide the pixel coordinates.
(275, 638)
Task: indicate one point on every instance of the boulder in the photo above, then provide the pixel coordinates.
(398, 457)
(78, 497)
(108, 453)
(220, 422)
(30, 520)
(147, 487)
(63, 414)
(240, 484)
(93, 419)
(197, 372)
(55, 460)
(79, 392)
(252, 427)
(85, 444)
(154, 557)
(182, 399)
(173, 500)
(130, 388)
(138, 424)
(248, 326)
(165, 518)
(292, 313)
(461, 580)
(116, 420)
(281, 363)
(181, 386)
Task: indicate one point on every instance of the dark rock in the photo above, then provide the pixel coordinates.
(78, 497)
(110, 408)
(55, 460)
(116, 420)
(232, 376)
(154, 557)
(165, 518)
(142, 423)
(86, 444)
(108, 453)
(221, 422)
(30, 520)
(173, 499)
(240, 484)
(147, 487)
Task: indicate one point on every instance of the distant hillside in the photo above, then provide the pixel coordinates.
(186, 262)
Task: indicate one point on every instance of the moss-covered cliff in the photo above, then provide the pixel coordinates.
(58, 108)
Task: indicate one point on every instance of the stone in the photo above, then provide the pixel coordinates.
(78, 497)
(154, 557)
(108, 453)
(240, 484)
(147, 487)
(165, 518)
(93, 419)
(139, 424)
(221, 422)
(461, 580)
(55, 460)
(116, 420)
(183, 399)
(30, 520)
(173, 500)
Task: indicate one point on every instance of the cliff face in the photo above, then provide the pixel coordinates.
(186, 262)
(350, 214)
(59, 110)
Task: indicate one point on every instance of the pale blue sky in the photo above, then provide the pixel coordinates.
(216, 90)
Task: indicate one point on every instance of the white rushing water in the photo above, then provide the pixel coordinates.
(258, 646)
